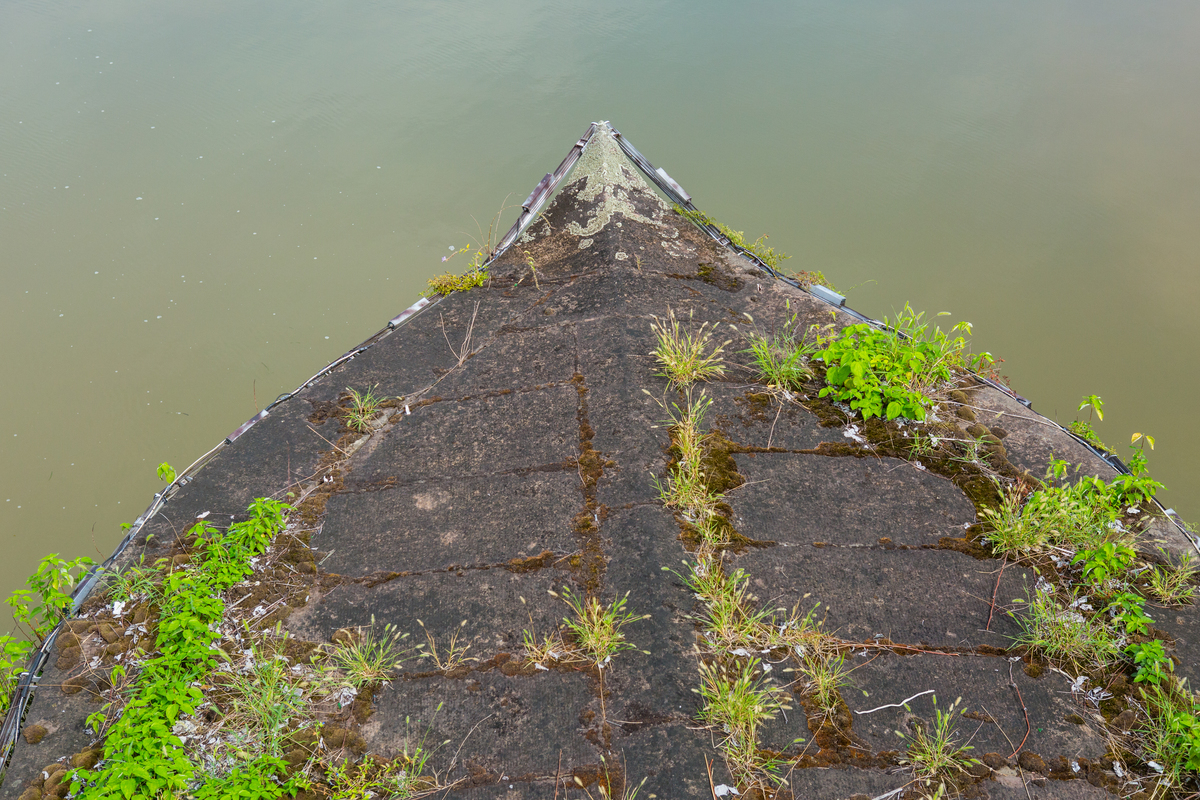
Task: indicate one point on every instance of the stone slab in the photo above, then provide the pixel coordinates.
(994, 721)
(489, 601)
(437, 524)
(510, 726)
(488, 435)
(801, 499)
(931, 598)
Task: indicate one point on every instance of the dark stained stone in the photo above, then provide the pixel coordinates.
(518, 451)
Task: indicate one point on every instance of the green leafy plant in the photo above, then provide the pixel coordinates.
(1130, 610)
(1137, 486)
(598, 628)
(682, 355)
(263, 778)
(143, 758)
(894, 373)
(363, 406)
(1152, 662)
(14, 655)
(1109, 561)
(1078, 516)
(166, 472)
(1093, 403)
(48, 597)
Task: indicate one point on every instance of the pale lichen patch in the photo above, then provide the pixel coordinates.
(610, 181)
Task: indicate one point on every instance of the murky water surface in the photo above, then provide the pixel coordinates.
(202, 204)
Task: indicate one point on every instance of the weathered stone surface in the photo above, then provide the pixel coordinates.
(990, 714)
(1032, 439)
(517, 455)
(799, 499)
(437, 524)
(932, 598)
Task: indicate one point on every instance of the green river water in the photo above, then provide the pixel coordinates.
(201, 204)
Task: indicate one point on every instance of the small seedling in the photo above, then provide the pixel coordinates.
(363, 406)
(452, 657)
(1093, 403)
(532, 268)
(166, 472)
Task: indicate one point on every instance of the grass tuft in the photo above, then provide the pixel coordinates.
(599, 629)
(1174, 584)
(737, 701)
(363, 406)
(682, 355)
(781, 360)
(370, 658)
(1064, 634)
(934, 752)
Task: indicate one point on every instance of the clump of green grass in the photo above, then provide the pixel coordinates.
(1074, 516)
(266, 699)
(1170, 736)
(363, 407)
(685, 357)
(1064, 634)
(934, 751)
(1174, 584)
(737, 701)
(685, 487)
(367, 657)
(826, 675)
(598, 628)
(452, 656)
(781, 360)
(136, 581)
